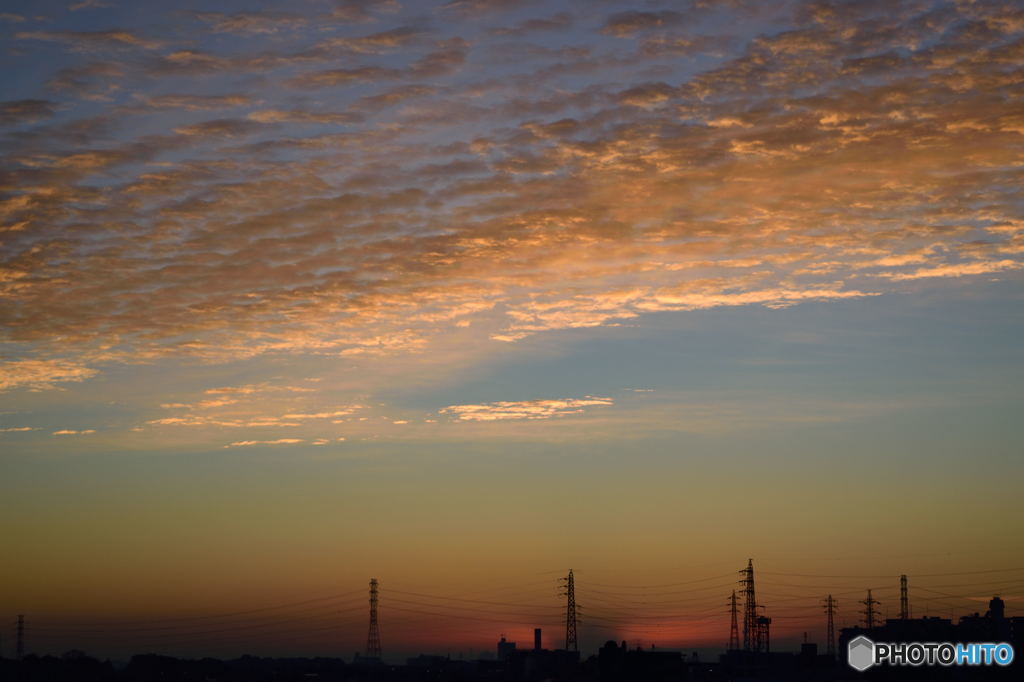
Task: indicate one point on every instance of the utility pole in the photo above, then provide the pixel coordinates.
(904, 607)
(734, 633)
(570, 613)
(19, 650)
(830, 633)
(373, 636)
(869, 611)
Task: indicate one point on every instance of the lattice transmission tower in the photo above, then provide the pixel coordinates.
(570, 613)
(904, 602)
(869, 611)
(751, 631)
(830, 633)
(734, 633)
(373, 636)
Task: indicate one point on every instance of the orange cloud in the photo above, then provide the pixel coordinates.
(446, 210)
(279, 441)
(524, 409)
(41, 374)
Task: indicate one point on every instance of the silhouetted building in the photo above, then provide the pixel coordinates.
(619, 663)
(542, 664)
(992, 627)
(505, 649)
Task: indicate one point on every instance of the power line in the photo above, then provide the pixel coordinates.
(704, 588)
(886, 575)
(446, 598)
(633, 608)
(276, 607)
(112, 628)
(193, 633)
(460, 616)
(645, 587)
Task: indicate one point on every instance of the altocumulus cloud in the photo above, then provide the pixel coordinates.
(41, 374)
(377, 192)
(279, 441)
(524, 409)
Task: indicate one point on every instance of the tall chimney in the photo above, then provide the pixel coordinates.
(536, 639)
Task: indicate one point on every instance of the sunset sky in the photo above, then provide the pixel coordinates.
(463, 294)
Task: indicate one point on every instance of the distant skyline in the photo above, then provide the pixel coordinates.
(444, 618)
(462, 294)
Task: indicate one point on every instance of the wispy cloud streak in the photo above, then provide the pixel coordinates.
(524, 409)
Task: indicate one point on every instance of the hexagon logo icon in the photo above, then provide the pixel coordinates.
(860, 653)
